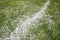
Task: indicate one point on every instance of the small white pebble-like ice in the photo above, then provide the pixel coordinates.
(23, 25)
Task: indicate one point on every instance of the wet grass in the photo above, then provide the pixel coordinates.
(9, 15)
(51, 32)
(11, 10)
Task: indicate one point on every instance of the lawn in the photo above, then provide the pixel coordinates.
(11, 11)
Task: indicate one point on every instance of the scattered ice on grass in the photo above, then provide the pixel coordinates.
(23, 26)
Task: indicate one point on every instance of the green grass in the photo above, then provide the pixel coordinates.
(9, 15)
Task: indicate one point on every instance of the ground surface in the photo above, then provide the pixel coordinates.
(47, 28)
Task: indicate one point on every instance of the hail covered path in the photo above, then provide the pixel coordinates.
(23, 25)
